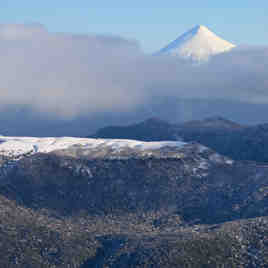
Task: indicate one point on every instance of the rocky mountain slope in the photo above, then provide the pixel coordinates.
(125, 203)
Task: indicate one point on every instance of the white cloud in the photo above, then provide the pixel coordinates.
(67, 76)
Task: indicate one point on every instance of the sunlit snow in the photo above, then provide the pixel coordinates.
(16, 146)
(197, 44)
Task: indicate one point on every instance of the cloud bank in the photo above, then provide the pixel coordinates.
(65, 76)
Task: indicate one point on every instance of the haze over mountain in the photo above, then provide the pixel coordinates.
(64, 84)
(197, 44)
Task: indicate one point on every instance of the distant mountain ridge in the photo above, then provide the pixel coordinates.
(214, 122)
(155, 129)
(239, 142)
(198, 44)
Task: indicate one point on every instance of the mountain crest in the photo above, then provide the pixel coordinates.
(197, 44)
(199, 28)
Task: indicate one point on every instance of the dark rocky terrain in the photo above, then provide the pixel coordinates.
(152, 129)
(170, 207)
(224, 136)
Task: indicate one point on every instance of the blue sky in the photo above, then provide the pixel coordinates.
(152, 23)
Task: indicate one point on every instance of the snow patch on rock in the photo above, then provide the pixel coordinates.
(19, 146)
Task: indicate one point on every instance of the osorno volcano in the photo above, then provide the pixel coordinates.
(198, 44)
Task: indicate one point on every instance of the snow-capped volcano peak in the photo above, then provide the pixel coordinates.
(197, 44)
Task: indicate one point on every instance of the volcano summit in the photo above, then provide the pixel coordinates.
(198, 44)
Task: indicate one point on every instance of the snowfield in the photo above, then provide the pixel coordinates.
(198, 44)
(18, 146)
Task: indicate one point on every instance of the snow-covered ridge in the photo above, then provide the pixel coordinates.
(19, 146)
(198, 44)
